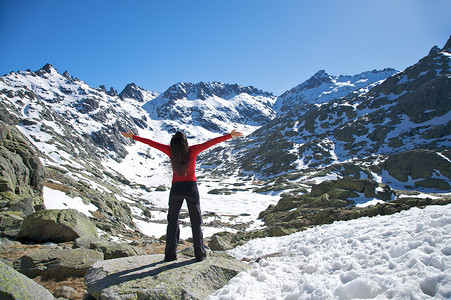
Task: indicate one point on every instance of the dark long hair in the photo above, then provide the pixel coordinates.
(179, 153)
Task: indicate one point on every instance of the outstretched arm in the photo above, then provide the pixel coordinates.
(163, 148)
(201, 147)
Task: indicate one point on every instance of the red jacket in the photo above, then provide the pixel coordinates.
(193, 152)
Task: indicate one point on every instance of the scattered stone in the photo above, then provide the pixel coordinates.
(150, 277)
(57, 226)
(65, 292)
(14, 285)
(220, 241)
(57, 263)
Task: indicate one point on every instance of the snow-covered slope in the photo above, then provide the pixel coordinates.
(402, 256)
(63, 113)
(322, 88)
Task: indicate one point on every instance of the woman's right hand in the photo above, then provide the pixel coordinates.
(128, 134)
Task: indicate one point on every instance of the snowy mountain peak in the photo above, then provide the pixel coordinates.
(111, 92)
(322, 87)
(67, 75)
(434, 50)
(447, 47)
(132, 91)
(204, 90)
(48, 68)
(319, 77)
(214, 106)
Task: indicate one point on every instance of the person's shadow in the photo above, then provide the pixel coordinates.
(134, 274)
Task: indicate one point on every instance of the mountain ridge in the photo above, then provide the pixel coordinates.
(322, 88)
(409, 110)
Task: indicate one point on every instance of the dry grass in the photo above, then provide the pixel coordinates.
(56, 186)
(77, 283)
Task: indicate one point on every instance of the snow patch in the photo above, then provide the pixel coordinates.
(402, 256)
(54, 199)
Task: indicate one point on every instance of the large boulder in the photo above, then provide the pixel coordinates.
(150, 277)
(55, 225)
(22, 180)
(14, 285)
(57, 263)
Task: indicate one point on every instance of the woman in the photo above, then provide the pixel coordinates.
(184, 186)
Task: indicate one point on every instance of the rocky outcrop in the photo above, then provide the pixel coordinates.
(327, 202)
(21, 180)
(57, 263)
(57, 226)
(347, 188)
(421, 164)
(149, 277)
(14, 285)
(318, 207)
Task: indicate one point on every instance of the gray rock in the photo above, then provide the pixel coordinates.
(7, 243)
(220, 242)
(108, 248)
(65, 292)
(57, 226)
(57, 263)
(10, 222)
(149, 277)
(14, 285)
(83, 242)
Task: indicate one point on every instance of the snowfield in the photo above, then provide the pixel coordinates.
(402, 256)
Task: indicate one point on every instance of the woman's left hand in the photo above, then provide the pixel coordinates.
(128, 134)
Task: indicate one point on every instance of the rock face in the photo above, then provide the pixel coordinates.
(421, 164)
(57, 263)
(14, 285)
(149, 277)
(21, 180)
(57, 226)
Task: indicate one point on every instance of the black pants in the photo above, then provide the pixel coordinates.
(185, 190)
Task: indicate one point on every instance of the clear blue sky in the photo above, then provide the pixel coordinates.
(270, 44)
